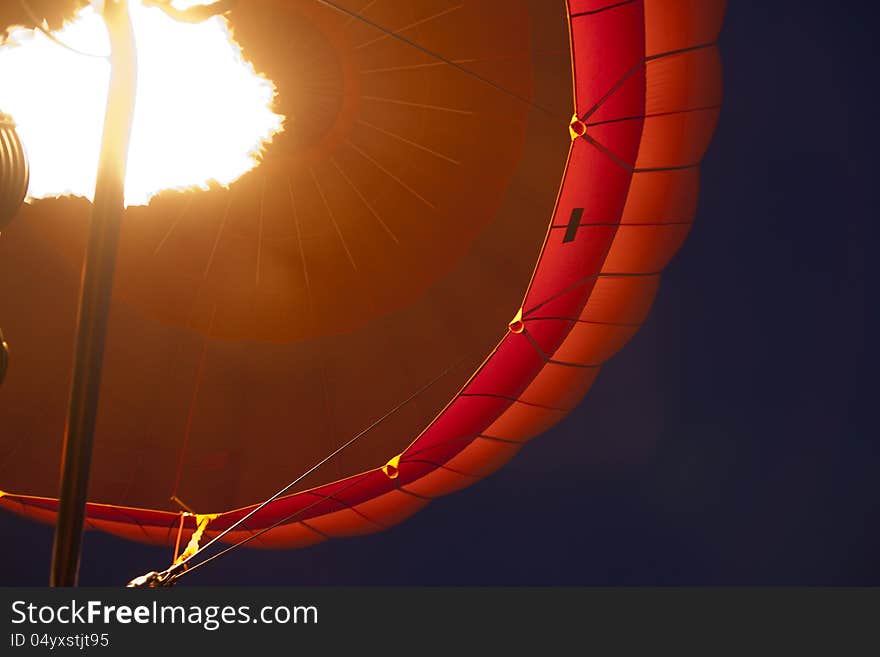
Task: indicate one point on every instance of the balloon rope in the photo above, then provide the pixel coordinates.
(289, 486)
(179, 534)
(38, 24)
(396, 35)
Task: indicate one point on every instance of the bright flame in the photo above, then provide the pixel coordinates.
(203, 113)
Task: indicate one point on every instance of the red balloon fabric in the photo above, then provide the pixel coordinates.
(522, 206)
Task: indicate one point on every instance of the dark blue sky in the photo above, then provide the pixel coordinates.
(734, 440)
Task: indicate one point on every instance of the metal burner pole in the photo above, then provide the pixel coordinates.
(97, 285)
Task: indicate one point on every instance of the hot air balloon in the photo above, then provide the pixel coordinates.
(467, 213)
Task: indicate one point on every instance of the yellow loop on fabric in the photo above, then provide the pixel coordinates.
(392, 468)
(193, 546)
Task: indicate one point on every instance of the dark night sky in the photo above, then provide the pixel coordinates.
(732, 441)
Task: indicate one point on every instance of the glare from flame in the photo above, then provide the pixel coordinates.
(203, 116)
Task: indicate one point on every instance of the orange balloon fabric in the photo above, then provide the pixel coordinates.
(470, 204)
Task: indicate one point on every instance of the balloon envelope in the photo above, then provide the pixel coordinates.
(432, 220)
